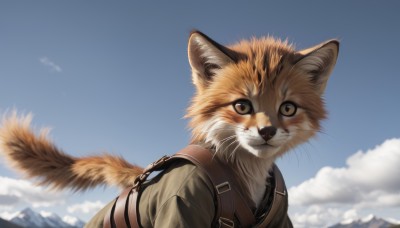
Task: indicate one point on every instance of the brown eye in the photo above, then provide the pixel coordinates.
(243, 107)
(288, 109)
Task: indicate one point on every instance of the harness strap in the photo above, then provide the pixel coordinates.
(279, 196)
(132, 210)
(230, 201)
(123, 212)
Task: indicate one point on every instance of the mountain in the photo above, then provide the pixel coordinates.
(7, 224)
(370, 221)
(32, 219)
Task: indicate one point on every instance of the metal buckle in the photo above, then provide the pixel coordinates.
(281, 193)
(223, 187)
(140, 179)
(224, 222)
(148, 170)
(159, 161)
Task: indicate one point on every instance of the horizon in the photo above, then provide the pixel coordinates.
(115, 77)
(67, 219)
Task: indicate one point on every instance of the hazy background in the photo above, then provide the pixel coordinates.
(113, 76)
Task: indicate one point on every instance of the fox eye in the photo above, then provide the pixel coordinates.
(288, 109)
(243, 107)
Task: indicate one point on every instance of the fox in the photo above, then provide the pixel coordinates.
(254, 101)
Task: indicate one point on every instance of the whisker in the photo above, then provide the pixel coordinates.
(233, 152)
(226, 140)
(234, 141)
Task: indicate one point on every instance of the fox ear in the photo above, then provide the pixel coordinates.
(318, 62)
(206, 57)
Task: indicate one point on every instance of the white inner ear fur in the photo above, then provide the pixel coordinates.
(202, 52)
(320, 59)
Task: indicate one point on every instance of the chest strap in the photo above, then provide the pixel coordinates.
(230, 201)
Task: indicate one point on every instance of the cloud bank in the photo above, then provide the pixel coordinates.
(369, 180)
(14, 191)
(86, 207)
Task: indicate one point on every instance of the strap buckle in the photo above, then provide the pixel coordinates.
(281, 193)
(148, 170)
(224, 222)
(223, 187)
(158, 163)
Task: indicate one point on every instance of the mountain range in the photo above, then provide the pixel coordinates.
(32, 219)
(370, 221)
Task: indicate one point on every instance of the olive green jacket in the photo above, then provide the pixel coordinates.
(180, 196)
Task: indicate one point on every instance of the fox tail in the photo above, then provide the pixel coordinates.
(35, 156)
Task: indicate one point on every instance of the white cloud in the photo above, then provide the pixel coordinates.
(392, 220)
(73, 221)
(46, 213)
(368, 182)
(350, 215)
(14, 191)
(370, 179)
(70, 219)
(8, 215)
(316, 217)
(50, 64)
(86, 207)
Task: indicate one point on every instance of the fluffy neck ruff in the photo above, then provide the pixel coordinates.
(252, 172)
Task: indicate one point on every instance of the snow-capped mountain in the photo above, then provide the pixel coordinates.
(370, 221)
(32, 219)
(6, 224)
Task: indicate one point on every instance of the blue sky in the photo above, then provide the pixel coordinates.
(114, 76)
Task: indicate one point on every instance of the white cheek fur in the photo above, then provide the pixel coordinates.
(228, 139)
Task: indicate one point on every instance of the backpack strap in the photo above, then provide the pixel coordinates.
(279, 196)
(230, 202)
(123, 213)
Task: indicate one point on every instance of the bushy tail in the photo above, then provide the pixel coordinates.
(37, 157)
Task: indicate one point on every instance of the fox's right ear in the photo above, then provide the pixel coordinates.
(206, 57)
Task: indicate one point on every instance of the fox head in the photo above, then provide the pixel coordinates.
(259, 96)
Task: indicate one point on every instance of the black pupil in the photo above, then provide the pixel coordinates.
(242, 107)
(288, 107)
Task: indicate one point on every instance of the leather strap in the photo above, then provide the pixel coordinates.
(223, 190)
(279, 196)
(120, 210)
(123, 212)
(133, 209)
(230, 201)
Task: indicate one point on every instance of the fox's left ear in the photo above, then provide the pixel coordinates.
(318, 62)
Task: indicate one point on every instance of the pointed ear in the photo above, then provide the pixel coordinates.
(318, 62)
(206, 57)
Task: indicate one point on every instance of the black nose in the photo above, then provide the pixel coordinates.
(267, 132)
